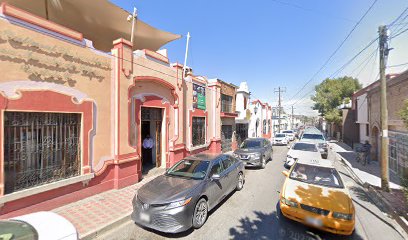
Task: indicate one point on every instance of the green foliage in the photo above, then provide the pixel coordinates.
(404, 113)
(404, 183)
(333, 116)
(331, 93)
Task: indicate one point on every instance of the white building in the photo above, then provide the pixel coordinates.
(244, 113)
(284, 121)
(255, 124)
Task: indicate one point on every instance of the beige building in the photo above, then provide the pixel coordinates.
(77, 101)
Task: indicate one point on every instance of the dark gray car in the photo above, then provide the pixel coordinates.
(183, 196)
(255, 152)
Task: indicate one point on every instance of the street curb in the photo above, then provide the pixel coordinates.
(107, 227)
(376, 198)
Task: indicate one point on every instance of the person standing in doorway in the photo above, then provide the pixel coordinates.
(147, 149)
(367, 152)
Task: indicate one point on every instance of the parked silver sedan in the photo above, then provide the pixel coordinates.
(183, 196)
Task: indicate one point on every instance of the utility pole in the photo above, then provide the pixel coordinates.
(133, 17)
(279, 91)
(383, 42)
(186, 55)
(291, 126)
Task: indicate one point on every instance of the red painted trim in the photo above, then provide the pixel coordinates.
(39, 101)
(55, 198)
(229, 115)
(153, 102)
(18, 13)
(178, 147)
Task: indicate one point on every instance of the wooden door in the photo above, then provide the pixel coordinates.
(158, 143)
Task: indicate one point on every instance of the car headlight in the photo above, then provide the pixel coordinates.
(256, 155)
(323, 145)
(289, 202)
(179, 203)
(343, 216)
(235, 155)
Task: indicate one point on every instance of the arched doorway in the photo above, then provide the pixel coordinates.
(153, 107)
(375, 141)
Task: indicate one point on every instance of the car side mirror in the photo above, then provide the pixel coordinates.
(215, 177)
(286, 173)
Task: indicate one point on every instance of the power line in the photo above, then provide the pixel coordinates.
(353, 58)
(311, 10)
(366, 60)
(396, 20)
(398, 65)
(341, 68)
(337, 49)
(375, 59)
(398, 34)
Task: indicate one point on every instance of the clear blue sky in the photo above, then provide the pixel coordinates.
(270, 44)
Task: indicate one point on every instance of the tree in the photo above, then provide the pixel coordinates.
(331, 93)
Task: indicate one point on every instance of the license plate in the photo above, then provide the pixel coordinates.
(145, 217)
(314, 221)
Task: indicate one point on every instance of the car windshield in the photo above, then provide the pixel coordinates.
(251, 144)
(322, 176)
(280, 135)
(305, 147)
(287, 131)
(12, 229)
(313, 136)
(187, 168)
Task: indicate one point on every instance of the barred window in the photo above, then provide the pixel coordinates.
(264, 126)
(198, 131)
(226, 103)
(40, 148)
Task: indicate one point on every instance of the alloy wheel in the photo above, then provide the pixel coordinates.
(240, 184)
(200, 213)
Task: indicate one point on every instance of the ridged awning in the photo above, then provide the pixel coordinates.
(100, 21)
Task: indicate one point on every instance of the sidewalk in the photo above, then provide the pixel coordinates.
(370, 177)
(100, 212)
(370, 173)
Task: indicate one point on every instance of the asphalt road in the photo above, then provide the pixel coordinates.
(252, 213)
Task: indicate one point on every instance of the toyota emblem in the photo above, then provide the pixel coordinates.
(145, 206)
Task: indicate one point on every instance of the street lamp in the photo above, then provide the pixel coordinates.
(255, 109)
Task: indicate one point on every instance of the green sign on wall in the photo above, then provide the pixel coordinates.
(199, 97)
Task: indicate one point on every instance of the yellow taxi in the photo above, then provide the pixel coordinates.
(314, 194)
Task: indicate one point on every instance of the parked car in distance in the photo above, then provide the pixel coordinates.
(183, 196)
(38, 226)
(290, 134)
(280, 139)
(255, 152)
(313, 135)
(304, 150)
(314, 194)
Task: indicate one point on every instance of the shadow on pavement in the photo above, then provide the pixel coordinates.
(275, 226)
(360, 193)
